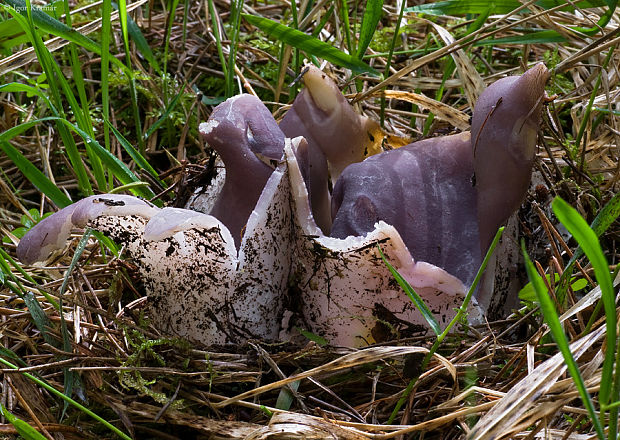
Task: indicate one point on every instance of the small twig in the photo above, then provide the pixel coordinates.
(263, 354)
(29, 410)
(168, 403)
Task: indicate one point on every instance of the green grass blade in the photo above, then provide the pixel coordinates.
(106, 28)
(185, 14)
(78, 78)
(459, 314)
(74, 261)
(8, 353)
(539, 37)
(603, 220)
(463, 309)
(8, 260)
(50, 69)
(85, 125)
(58, 81)
(388, 61)
(22, 428)
(53, 26)
(81, 110)
(296, 54)
(413, 295)
(309, 44)
(7, 44)
(141, 44)
(59, 29)
(40, 319)
(116, 166)
(70, 377)
(326, 17)
(552, 320)
(108, 243)
(35, 176)
(19, 87)
(464, 7)
(607, 216)
(122, 9)
(218, 41)
(171, 106)
(57, 393)
(344, 11)
(235, 23)
(588, 109)
(602, 22)
(285, 397)
(128, 187)
(135, 154)
(11, 34)
(587, 239)
(319, 340)
(550, 36)
(607, 111)
(372, 15)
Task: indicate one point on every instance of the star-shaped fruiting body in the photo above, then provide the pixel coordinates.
(260, 263)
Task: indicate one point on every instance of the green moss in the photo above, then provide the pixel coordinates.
(144, 354)
(382, 39)
(212, 85)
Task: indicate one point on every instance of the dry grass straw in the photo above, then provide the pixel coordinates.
(157, 387)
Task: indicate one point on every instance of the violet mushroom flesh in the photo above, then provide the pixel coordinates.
(504, 132)
(322, 115)
(425, 191)
(445, 195)
(247, 138)
(51, 233)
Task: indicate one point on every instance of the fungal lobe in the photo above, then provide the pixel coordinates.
(322, 115)
(346, 287)
(425, 191)
(52, 232)
(504, 130)
(249, 142)
(313, 169)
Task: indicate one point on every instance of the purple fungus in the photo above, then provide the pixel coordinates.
(322, 115)
(90, 208)
(348, 294)
(428, 191)
(419, 202)
(52, 233)
(504, 130)
(45, 237)
(313, 168)
(247, 138)
(425, 191)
